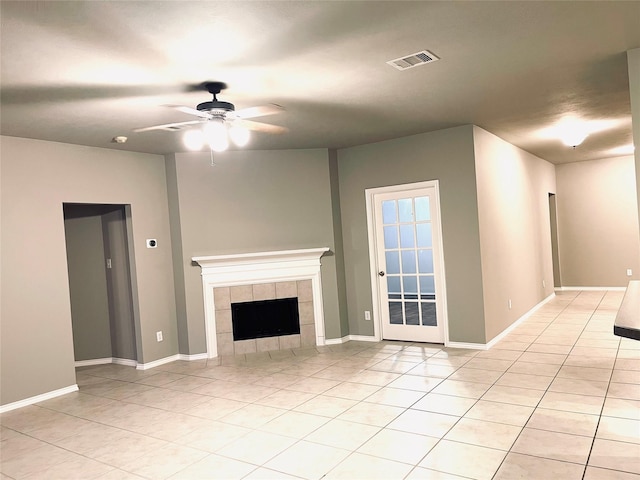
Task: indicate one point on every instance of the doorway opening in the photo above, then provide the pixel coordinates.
(553, 218)
(99, 261)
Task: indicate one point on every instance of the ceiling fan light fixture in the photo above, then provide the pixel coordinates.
(215, 134)
(193, 139)
(239, 135)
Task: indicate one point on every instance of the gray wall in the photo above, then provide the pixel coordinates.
(515, 234)
(121, 309)
(598, 222)
(250, 201)
(339, 248)
(88, 287)
(447, 156)
(36, 345)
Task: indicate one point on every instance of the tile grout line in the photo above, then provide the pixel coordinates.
(595, 434)
(545, 391)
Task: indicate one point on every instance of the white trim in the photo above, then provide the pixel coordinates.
(157, 363)
(194, 357)
(590, 289)
(94, 361)
(517, 323)
(255, 268)
(38, 398)
(504, 333)
(124, 361)
(351, 338)
(105, 361)
(468, 346)
(336, 341)
(373, 261)
(363, 338)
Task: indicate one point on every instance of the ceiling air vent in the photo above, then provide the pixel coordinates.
(413, 60)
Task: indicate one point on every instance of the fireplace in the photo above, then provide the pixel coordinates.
(262, 277)
(265, 318)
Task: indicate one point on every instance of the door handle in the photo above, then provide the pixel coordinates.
(381, 273)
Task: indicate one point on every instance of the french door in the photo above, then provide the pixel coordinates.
(409, 264)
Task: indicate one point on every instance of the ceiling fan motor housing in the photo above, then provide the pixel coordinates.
(216, 105)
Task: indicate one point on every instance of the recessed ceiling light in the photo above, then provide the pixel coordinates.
(572, 131)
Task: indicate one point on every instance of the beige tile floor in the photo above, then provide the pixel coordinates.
(558, 398)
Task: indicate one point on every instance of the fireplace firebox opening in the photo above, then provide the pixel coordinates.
(265, 318)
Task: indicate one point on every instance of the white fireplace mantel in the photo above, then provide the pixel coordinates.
(260, 267)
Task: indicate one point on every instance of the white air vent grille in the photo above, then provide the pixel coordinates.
(413, 60)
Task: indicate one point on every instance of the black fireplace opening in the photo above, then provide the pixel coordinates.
(265, 318)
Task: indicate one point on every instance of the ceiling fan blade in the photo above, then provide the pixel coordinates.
(262, 127)
(168, 126)
(253, 112)
(189, 110)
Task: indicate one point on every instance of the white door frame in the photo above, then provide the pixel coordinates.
(373, 261)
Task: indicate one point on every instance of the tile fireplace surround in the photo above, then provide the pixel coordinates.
(225, 296)
(246, 277)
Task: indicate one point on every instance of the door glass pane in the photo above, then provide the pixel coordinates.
(393, 284)
(406, 236)
(395, 313)
(405, 207)
(425, 261)
(423, 234)
(427, 285)
(411, 313)
(393, 261)
(389, 212)
(408, 261)
(391, 237)
(410, 285)
(429, 314)
(422, 209)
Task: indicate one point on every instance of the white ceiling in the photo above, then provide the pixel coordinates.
(85, 72)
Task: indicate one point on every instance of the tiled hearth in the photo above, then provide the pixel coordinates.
(225, 296)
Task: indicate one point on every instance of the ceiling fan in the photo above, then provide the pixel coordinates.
(220, 121)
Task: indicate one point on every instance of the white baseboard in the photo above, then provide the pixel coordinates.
(347, 338)
(38, 398)
(504, 333)
(363, 338)
(98, 361)
(193, 358)
(107, 360)
(141, 366)
(590, 289)
(468, 346)
(157, 363)
(336, 341)
(93, 361)
(124, 361)
(517, 323)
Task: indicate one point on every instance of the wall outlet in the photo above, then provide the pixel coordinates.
(629, 272)
(509, 304)
(108, 263)
(367, 315)
(152, 243)
(159, 336)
